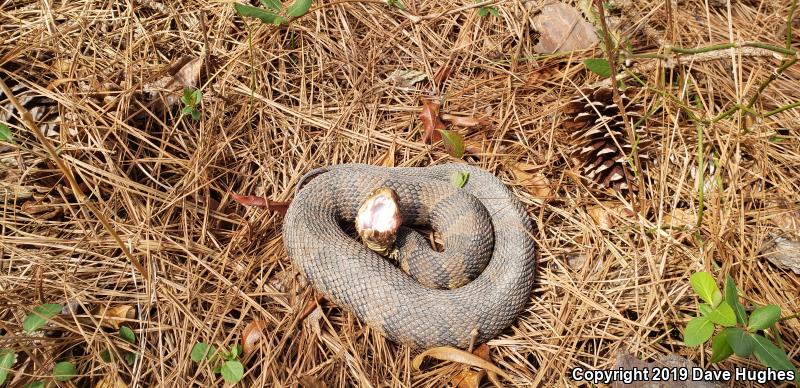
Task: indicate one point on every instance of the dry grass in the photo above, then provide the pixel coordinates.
(278, 103)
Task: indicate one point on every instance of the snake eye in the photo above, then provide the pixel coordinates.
(378, 219)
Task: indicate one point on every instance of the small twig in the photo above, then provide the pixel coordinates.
(27, 118)
(781, 109)
(701, 176)
(789, 24)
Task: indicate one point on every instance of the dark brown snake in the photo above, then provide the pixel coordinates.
(482, 218)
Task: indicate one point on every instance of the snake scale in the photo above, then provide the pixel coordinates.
(380, 293)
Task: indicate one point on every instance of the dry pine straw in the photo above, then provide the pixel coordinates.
(278, 103)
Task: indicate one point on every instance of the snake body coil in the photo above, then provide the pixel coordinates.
(381, 294)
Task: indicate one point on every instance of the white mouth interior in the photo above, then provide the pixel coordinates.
(379, 215)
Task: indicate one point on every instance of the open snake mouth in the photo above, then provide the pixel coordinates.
(378, 220)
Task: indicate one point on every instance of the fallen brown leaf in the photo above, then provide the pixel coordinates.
(680, 218)
(111, 381)
(530, 176)
(115, 315)
(311, 382)
(445, 353)
(562, 28)
(387, 159)
(443, 73)
(252, 334)
(183, 73)
(406, 78)
(783, 252)
(540, 75)
(252, 200)
(464, 121)
(431, 121)
(606, 214)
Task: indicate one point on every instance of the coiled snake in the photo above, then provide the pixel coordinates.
(482, 218)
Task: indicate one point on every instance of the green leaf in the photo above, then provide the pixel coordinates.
(741, 342)
(202, 350)
(716, 299)
(723, 315)
(771, 355)
(763, 318)
(236, 350)
(704, 308)
(188, 110)
(732, 297)
(258, 13)
(453, 142)
(395, 3)
(7, 359)
(35, 384)
(40, 315)
(5, 132)
(126, 333)
(298, 8)
(195, 114)
(129, 357)
(197, 97)
(483, 11)
(459, 179)
(698, 330)
(64, 371)
(232, 371)
(186, 97)
(720, 348)
(705, 286)
(598, 66)
(105, 355)
(494, 11)
(274, 5)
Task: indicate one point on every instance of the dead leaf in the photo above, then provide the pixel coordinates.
(252, 334)
(111, 381)
(606, 215)
(445, 353)
(406, 78)
(311, 382)
(115, 315)
(313, 320)
(387, 159)
(312, 305)
(680, 218)
(184, 73)
(539, 75)
(252, 200)
(464, 121)
(431, 121)
(443, 73)
(783, 252)
(468, 378)
(530, 176)
(784, 218)
(562, 28)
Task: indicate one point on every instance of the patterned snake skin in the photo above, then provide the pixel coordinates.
(381, 294)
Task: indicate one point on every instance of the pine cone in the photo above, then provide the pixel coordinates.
(601, 141)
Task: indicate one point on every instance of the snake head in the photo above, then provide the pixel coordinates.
(378, 220)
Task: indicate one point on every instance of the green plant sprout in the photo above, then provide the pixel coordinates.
(225, 363)
(273, 11)
(191, 99)
(740, 334)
